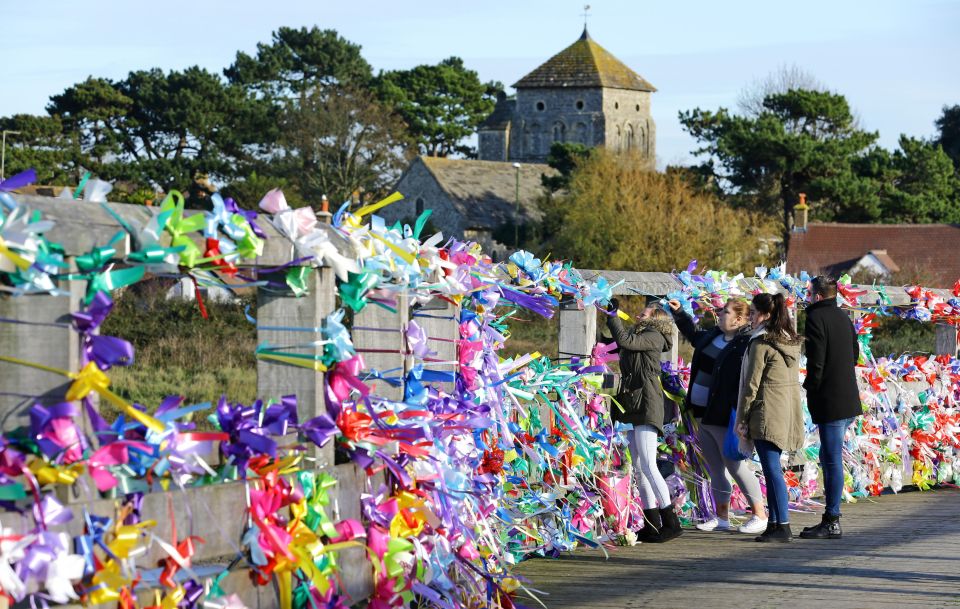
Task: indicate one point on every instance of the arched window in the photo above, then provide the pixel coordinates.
(580, 104)
(559, 132)
(618, 140)
(541, 106)
(419, 206)
(629, 131)
(531, 137)
(643, 141)
(580, 133)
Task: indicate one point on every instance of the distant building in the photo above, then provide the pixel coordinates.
(904, 252)
(469, 199)
(582, 94)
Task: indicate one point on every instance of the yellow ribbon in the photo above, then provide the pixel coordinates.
(91, 378)
(369, 209)
(53, 474)
(18, 260)
(294, 361)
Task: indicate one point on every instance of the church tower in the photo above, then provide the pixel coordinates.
(582, 94)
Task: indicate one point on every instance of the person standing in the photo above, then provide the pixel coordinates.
(769, 412)
(642, 399)
(714, 388)
(833, 397)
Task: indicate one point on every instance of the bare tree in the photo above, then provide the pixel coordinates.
(342, 141)
(783, 79)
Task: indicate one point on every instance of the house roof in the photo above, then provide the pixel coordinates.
(921, 251)
(486, 191)
(584, 64)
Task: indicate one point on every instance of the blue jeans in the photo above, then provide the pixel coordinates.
(778, 503)
(831, 462)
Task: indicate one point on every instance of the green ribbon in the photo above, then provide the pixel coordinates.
(297, 279)
(83, 182)
(153, 254)
(421, 222)
(354, 291)
(113, 280)
(12, 492)
(179, 226)
(98, 257)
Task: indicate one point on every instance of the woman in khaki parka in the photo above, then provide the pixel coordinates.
(769, 412)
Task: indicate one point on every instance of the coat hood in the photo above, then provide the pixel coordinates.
(788, 347)
(662, 326)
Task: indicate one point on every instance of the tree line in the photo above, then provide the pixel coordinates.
(305, 112)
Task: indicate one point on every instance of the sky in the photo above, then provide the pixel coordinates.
(896, 61)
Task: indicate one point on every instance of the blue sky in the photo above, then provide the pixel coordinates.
(896, 61)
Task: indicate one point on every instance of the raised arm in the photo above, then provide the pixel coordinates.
(685, 324)
(634, 341)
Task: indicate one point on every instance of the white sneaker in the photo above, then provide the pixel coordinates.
(754, 526)
(715, 525)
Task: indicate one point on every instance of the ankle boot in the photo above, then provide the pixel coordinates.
(829, 528)
(780, 533)
(651, 525)
(671, 526)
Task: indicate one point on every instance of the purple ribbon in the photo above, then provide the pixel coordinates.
(250, 216)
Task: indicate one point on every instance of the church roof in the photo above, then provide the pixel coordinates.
(501, 116)
(485, 192)
(584, 64)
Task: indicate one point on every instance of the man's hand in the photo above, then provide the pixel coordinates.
(675, 305)
(613, 305)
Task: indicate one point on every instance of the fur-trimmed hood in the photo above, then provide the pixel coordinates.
(663, 326)
(787, 346)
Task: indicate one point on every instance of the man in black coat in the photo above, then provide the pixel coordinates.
(832, 393)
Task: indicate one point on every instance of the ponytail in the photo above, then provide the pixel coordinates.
(775, 305)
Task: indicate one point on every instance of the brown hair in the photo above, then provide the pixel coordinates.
(739, 306)
(775, 306)
(658, 313)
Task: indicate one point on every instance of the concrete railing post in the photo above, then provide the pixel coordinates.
(439, 320)
(43, 335)
(276, 379)
(946, 336)
(578, 331)
(379, 336)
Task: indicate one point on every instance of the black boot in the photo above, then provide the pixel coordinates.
(780, 533)
(671, 526)
(829, 528)
(651, 525)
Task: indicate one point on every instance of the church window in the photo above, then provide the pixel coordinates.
(638, 107)
(419, 206)
(541, 106)
(616, 105)
(580, 104)
(531, 144)
(618, 142)
(559, 132)
(629, 137)
(580, 133)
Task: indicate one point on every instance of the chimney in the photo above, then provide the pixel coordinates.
(800, 221)
(324, 214)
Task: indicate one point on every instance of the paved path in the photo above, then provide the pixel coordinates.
(898, 551)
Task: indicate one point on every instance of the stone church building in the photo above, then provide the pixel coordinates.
(582, 94)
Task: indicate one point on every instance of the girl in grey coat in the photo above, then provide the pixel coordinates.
(642, 398)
